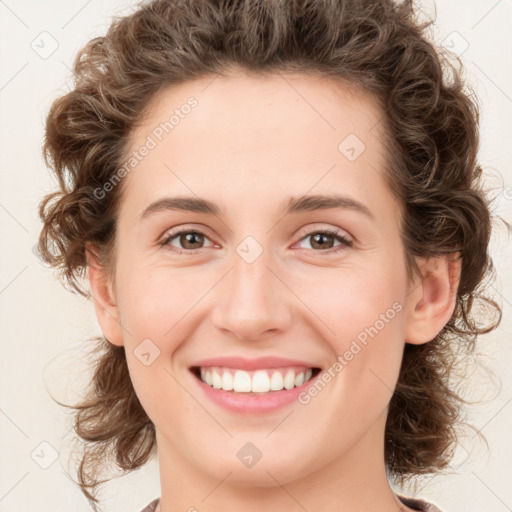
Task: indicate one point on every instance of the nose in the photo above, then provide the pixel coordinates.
(252, 302)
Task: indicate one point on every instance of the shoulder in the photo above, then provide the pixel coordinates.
(152, 506)
(417, 504)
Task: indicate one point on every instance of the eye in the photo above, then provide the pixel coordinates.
(323, 239)
(190, 241)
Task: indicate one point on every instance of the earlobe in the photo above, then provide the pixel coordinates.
(433, 298)
(104, 300)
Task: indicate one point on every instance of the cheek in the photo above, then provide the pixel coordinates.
(153, 307)
(363, 312)
(350, 300)
(153, 303)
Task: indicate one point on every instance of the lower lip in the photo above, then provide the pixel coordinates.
(252, 404)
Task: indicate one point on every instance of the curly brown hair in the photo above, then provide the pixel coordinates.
(432, 126)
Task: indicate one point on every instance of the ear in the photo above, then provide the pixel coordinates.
(104, 299)
(433, 298)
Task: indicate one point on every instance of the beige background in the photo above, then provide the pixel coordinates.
(43, 327)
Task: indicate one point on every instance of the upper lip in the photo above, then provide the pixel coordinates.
(259, 363)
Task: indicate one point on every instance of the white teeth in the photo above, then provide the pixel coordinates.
(227, 381)
(242, 382)
(259, 381)
(216, 380)
(289, 379)
(276, 381)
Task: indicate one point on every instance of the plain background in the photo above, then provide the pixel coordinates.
(44, 327)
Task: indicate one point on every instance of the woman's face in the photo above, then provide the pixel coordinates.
(260, 280)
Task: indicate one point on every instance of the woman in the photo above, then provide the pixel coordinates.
(278, 209)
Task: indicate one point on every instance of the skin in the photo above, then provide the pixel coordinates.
(250, 144)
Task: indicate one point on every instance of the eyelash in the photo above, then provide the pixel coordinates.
(345, 242)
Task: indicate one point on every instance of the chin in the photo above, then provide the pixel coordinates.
(270, 470)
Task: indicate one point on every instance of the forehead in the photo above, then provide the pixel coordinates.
(259, 103)
(258, 134)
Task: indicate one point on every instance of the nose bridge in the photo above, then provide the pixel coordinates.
(251, 299)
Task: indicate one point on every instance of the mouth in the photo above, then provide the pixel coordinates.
(263, 381)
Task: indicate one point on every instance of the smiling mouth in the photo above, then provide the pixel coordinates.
(254, 382)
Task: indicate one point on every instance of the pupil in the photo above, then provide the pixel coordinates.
(190, 237)
(318, 239)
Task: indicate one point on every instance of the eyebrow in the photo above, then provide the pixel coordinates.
(295, 205)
